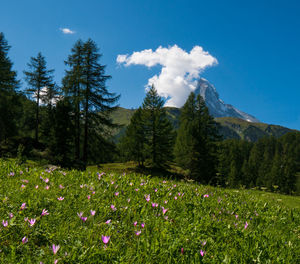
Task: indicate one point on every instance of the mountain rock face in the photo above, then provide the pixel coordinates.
(216, 106)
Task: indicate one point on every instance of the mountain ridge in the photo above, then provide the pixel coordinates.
(230, 127)
(216, 106)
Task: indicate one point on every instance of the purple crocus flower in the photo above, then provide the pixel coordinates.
(138, 232)
(105, 239)
(202, 252)
(93, 212)
(24, 240)
(23, 206)
(44, 212)
(147, 197)
(55, 248)
(60, 198)
(4, 223)
(32, 221)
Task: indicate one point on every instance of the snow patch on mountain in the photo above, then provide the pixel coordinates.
(216, 106)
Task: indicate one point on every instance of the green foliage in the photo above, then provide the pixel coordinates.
(85, 85)
(195, 147)
(9, 100)
(158, 130)
(192, 223)
(41, 86)
(269, 163)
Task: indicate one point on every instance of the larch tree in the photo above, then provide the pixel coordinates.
(38, 79)
(158, 130)
(8, 94)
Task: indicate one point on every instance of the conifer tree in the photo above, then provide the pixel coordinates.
(98, 102)
(38, 78)
(196, 140)
(133, 142)
(72, 87)
(85, 85)
(158, 130)
(8, 94)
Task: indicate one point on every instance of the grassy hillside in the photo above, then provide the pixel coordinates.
(230, 127)
(98, 217)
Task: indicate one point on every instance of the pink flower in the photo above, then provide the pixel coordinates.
(47, 187)
(105, 239)
(44, 212)
(26, 219)
(142, 225)
(55, 248)
(116, 193)
(56, 261)
(131, 184)
(155, 190)
(246, 225)
(205, 195)
(108, 221)
(175, 197)
(138, 232)
(135, 223)
(93, 212)
(236, 216)
(165, 202)
(112, 182)
(136, 190)
(154, 204)
(83, 218)
(113, 207)
(128, 200)
(32, 221)
(23, 206)
(11, 215)
(61, 187)
(46, 180)
(164, 210)
(182, 251)
(89, 197)
(80, 214)
(24, 240)
(4, 223)
(202, 252)
(36, 186)
(147, 197)
(60, 198)
(203, 243)
(81, 186)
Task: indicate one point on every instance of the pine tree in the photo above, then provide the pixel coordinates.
(72, 87)
(132, 144)
(97, 100)
(196, 140)
(8, 94)
(158, 130)
(39, 79)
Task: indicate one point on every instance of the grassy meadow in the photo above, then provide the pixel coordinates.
(107, 216)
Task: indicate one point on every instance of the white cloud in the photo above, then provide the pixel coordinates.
(67, 31)
(179, 73)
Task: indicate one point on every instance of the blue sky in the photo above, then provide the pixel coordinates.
(256, 44)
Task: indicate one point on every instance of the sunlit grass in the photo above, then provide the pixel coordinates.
(97, 217)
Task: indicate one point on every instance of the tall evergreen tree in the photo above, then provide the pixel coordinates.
(8, 95)
(98, 102)
(158, 130)
(72, 87)
(132, 144)
(196, 140)
(85, 85)
(38, 78)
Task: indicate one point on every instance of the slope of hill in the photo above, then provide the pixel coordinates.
(230, 127)
(102, 217)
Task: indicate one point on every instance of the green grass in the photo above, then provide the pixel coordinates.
(226, 226)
